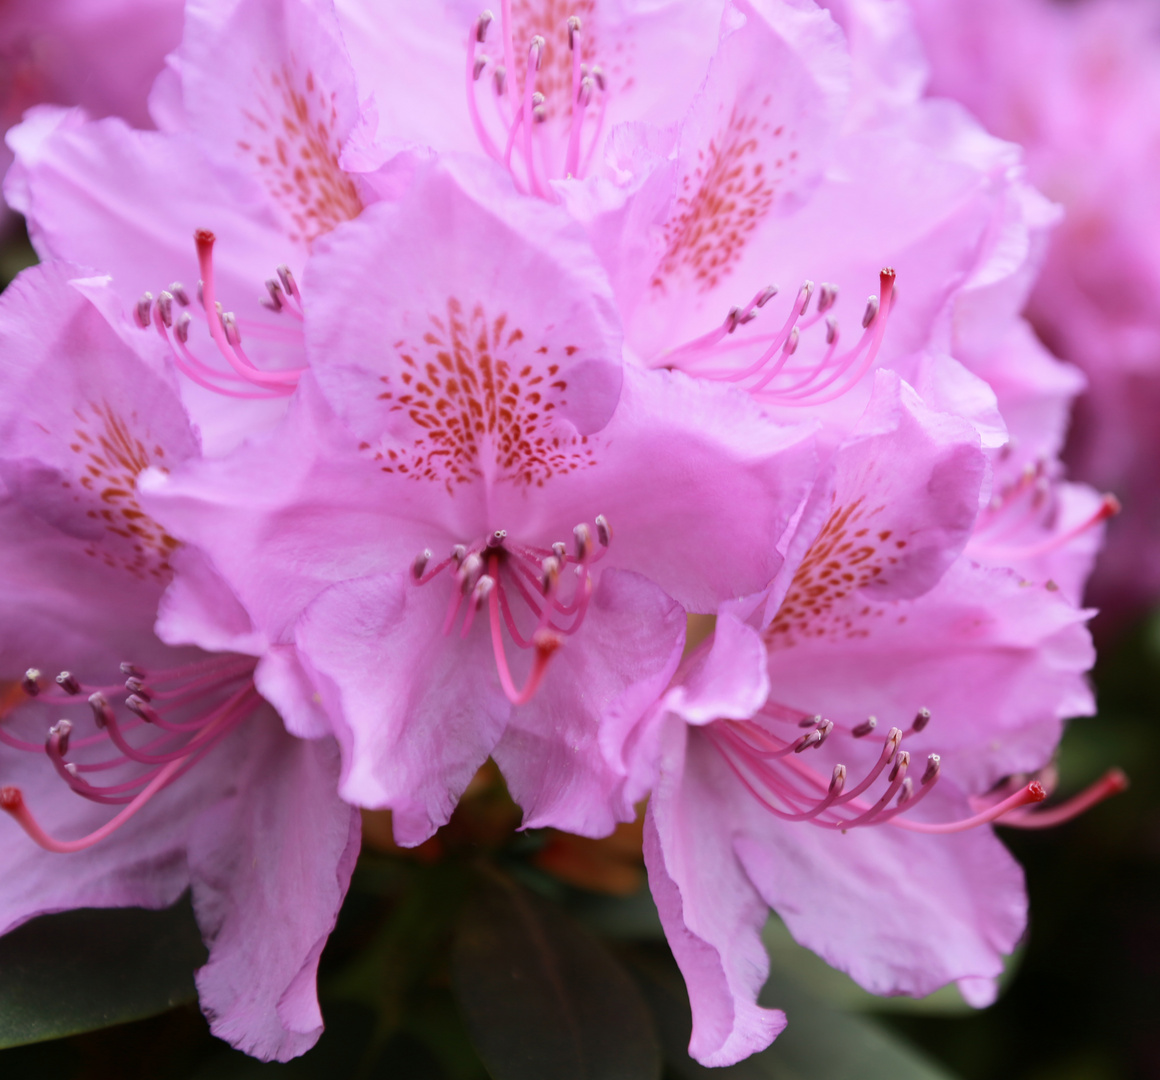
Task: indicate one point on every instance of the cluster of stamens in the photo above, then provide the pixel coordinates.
(539, 596)
(1022, 519)
(774, 374)
(509, 123)
(770, 757)
(172, 314)
(187, 711)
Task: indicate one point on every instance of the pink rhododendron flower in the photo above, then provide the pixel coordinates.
(478, 527)
(1084, 114)
(775, 790)
(100, 54)
(253, 113)
(167, 771)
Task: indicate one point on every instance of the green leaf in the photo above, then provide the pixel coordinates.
(820, 1043)
(88, 969)
(542, 997)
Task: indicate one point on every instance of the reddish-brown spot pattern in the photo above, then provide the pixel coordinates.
(723, 200)
(294, 140)
(849, 554)
(482, 397)
(111, 457)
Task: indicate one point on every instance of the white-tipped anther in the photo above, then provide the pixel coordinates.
(810, 721)
(583, 537)
(906, 792)
(574, 25)
(469, 572)
(497, 538)
(827, 296)
(136, 686)
(481, 25)
(807, 290)
(102, 710)
(420, 563)
(140, 707)
(732, 320)
(67, 681)
(549, 574)
(767, 294)
(459, 553)
(536, 52)
(288, 283)
(181, 327)
(901, 764)
(864, 729)
(477, 67)
(230, 325)
(892, 740)
(814, 738)
(143, 310)
(61, 731)
(482, 590)
(603, 530)
(500, 79)
(921, 719)
(30, 684)
(130, 669)
(831, 329)
(560, 550)
(791, 342)
(275, 291)
(824, 730)
(871, 312)
(584, 94)
(932, 767)
(179, 293)
(200, 292)
(165, 308)
(838, 780)
(598, 75)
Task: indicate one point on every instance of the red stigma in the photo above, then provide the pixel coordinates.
(1036, 791)
(204, 238)
(11, 799)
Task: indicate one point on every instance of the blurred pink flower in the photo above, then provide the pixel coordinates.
(1076, 85)
(775, 790)
(100, 54)
(176, 774)
(491, 546)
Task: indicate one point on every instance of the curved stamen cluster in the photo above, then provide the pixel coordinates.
(774, 375)
(1020, 520)
(190, 709)
(509, 122)
(770, 759)
(171, 315)
(539, 596)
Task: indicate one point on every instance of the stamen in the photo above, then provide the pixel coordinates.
(30, 684)
(143, 309)
(68, 683)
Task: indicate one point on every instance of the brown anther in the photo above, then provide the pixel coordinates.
(921, 719)
(603, 530)
(901, 764)
(864, 729)
(481, 25)
(420, 563)
(932, 768)
(67, 681)
(30, 684)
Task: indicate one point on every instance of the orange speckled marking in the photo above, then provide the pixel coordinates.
(295, 142)
(723, 200)
(477, 389)
(111, 458)
(849, 554)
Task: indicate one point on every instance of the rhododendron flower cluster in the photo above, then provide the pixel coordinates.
(392, 406)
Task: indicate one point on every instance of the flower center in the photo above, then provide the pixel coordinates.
(189, 708)
(546, 112)
(765, 364)
(538, 595)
